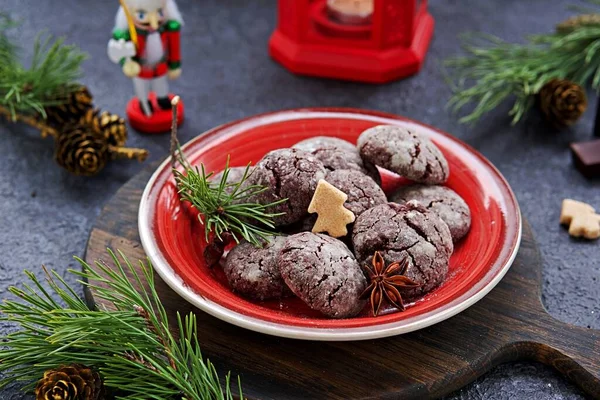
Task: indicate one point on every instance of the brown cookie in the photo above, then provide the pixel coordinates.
(336, 154)
(322, 272)
(407, 230)
(318, 142)
(304, 225)
(363, 192)
(405, 152)
(235, 176)
(287, 174)
(253, 272)
(443, 201)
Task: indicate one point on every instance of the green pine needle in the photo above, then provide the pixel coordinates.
(131, 345)
(224, 207)
(50, 78)
(495, 71)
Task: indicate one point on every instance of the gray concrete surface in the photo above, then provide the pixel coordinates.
(46, 214)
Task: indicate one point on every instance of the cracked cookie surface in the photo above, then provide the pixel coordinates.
(235, 175)
(253, 272)
(443, 201)
(405, 152)
(323, 273)
(287, 173)
(363, 192)
(337, 154)
(407, 230)
(317, 142)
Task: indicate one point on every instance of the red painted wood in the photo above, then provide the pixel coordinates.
(393, 46)
(159, 122)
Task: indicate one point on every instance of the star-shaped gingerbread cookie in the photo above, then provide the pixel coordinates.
(328, 202)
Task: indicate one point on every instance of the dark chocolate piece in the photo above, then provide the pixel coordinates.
(586, 157)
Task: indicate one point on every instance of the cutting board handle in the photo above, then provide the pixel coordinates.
(571, 350)
(575, 352)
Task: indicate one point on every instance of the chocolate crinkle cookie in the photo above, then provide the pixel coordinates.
(443, 201)
(253, 272)
(407, 230)
(336, 154)
(363, 192)
(291, 174)
(306, 224)
(235, 175)
(405, 152)
(318, 142)
(323, 273)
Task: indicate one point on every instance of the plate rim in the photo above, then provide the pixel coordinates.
(177, 284)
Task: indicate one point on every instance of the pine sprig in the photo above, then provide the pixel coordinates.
(495, 71)
(223, 207)
(50, 78)
(8, 50)
(131, 345)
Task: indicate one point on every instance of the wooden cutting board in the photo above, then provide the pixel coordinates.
(509, 324)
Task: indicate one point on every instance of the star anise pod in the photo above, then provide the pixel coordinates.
(385, 282)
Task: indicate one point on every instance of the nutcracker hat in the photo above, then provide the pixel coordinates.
(170, 8)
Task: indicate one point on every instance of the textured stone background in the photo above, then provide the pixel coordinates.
(46, 214)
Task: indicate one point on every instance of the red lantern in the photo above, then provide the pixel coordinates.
(312, 38)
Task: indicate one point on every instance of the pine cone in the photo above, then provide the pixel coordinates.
(72, 382)
(108, 125)
(562, 102)
(72, 107)
(81, 151)
(578, 21)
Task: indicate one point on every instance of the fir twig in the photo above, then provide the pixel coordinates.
(52, 76)
(495, 71)
(132, 346)
(116, 152)
(224, 207)
(8, 50)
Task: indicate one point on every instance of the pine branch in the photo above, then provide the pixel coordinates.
(223, 207)
(116, 152)
(495, 71)
(52, 76)
(132, 346)
(8, 50)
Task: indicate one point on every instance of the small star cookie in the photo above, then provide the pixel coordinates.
(581, 219)
(328, 202)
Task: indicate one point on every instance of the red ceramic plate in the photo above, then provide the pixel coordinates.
(174, 240)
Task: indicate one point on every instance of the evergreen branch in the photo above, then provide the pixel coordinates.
(52, 76)
(223, 207)
(116, 152)
(8, 50)
(131, 345)
(495, 71)
(32, 121)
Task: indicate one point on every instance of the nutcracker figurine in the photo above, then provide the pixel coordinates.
(146, 43)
